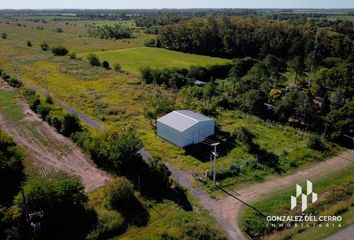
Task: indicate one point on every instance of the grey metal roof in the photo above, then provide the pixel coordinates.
(182, 119)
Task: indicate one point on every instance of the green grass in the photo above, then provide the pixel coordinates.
(9, 107)
(278, 204)
(165, 217)
(75, 36)
(133, 59)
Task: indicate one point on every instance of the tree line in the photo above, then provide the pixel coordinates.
(233, 37)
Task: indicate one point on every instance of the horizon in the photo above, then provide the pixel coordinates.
(181, 4)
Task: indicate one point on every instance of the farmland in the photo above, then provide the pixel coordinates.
(260, 144)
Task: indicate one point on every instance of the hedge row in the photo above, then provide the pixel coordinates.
(64, 122)
(13, 82)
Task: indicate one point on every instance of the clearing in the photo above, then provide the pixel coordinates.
(133, 59)
(49, 150)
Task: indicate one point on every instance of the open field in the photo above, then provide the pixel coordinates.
(74, 35)
(133, 59)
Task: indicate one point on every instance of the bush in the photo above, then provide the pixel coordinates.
(94, 60)
(14, 82)
(117, 67)
(71, 124)
(72, 55)
(44, 46)
(119, 195)
(109, 223)
(59, 30)
(32, 99)
(28, 43)
(49, 100)
(59, 51)
(43, 110)
(4, 35)
(105, 64)
(315, 143)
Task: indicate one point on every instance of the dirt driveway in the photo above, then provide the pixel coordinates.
(227, 210)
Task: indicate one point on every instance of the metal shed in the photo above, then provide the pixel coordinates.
(184, 127)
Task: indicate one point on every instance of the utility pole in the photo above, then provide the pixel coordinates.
(313, 58)
(215, 155)
(325, 132)
(44, 73)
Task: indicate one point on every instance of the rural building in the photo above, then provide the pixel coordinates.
(184, 127)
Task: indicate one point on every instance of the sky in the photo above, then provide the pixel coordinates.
(135, 4)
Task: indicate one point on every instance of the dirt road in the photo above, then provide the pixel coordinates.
(227, 210)
(51, 151)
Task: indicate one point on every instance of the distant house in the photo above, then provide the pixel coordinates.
(184, 127)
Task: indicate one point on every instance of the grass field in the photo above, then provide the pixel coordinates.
(333, 201)
(74, 35)
(133, 59)
(8, 105)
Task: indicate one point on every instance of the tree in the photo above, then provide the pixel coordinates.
(297, 66)
(28, 43)
(59, 51)
(11, 168)
(93, 60)
(105, 64)
(71, 124)
(62, 200)
(156, 104)
(44, 46)
(4, 35)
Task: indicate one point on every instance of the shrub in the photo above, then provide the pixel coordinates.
(315, 143)
(59, 30)
(72, 55)
(117, 67)
(105, 64)
(28, 43)
(120, 195)
(59, 51)
(44, 46)
(14, 82)
(109, 223)
(94, 60)
(32, 99)
(49, 100)
(4, 35)
(43, 110)
(71, 124)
